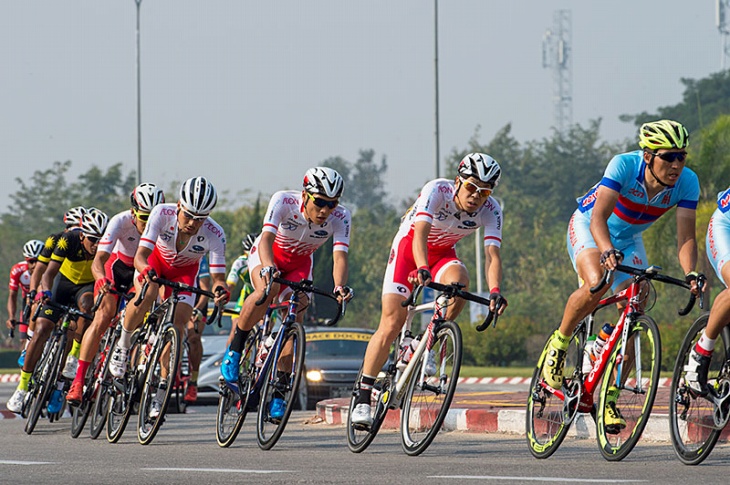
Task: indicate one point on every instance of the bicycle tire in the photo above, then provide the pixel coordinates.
(103, 391)
(634, 403)
(269, 430)
(36, 379)
(47, 383)
(358, 438)
(82, 411)
(545, 419)
(427, 399)
(147, 426)
(233, 407)
(123, 392)
(692, 427)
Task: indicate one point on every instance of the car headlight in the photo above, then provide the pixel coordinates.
(314, 376)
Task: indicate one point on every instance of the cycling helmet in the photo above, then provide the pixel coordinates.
(74, 216)
(248, 241)
(145, 196)
(665, 134)
(198, 196)
(94, 223)
(32, 249)
(323, 181)
(482, 167)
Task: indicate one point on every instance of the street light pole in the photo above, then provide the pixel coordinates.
(436, 84)
(139, 104)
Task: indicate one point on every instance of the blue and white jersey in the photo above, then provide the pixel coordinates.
(634, 212)
(723, 202)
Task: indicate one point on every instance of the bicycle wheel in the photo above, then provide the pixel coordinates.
(123, 392)
(428, 398)
(360, 437)
(692, 427)
(283, 385)
(232, 406)
(547, 419)
(46, 383)
(104, 384)
(167, 354)
(82, 411)
(639, 379)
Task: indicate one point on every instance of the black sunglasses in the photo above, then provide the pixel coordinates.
(319, 202)
(92, 239)
(672, 157)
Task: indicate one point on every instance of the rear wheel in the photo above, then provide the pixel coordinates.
(45, 384)
(639, 379)
(104, 390)
(547, 421)
(280, 384)
(428, 398)
(359, 437)
(692, 426)
(82, 411)
(232, 405)
(156, 389)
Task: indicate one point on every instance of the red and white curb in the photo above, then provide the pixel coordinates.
(9, 377)
(663, 381)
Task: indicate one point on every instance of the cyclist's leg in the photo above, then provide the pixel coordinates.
(194, 329)
(450, 270)
(133, 318)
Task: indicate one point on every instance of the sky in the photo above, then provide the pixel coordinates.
(251, 94)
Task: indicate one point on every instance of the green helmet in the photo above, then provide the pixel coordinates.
(665, 134)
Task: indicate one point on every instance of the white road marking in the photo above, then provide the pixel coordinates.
(16, 462)
(218, 470)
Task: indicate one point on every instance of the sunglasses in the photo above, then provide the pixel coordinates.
(472, 188)
(195, 217)
(319, 202)
(672, 157)
(31, 261)
(92, 239)
(141, 216)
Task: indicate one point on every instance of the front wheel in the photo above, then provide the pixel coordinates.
(692, 427)
(635, 378)
(429, 394)
(359, 437)
(280, 385)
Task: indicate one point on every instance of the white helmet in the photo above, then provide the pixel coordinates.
(198, 196)
(482, 167)
(323, 181)
(74, 216)
(32, 249)
(94, 223)
(145, 196)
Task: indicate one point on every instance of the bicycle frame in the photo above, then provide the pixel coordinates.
(403, 377)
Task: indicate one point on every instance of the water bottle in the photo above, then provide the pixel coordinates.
(264, 350)
(405, 352)
(601, 340)
(588, 354)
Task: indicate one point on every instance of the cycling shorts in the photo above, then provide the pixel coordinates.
(64, 292)
(179, 274)
(718, 242)
(401, 262)
(295, 268)
(579, 238)
(121, 275)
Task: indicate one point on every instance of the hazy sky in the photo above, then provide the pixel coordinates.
(251, 94)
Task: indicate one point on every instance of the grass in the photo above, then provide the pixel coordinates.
(474, 371)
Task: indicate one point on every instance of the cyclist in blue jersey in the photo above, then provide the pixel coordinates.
(636, 189)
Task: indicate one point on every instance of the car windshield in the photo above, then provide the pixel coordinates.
(336, 348)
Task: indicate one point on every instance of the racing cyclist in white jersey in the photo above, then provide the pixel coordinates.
(113, 268)
(295, 225)
(444, 213)
(637, 188)
(171, 247)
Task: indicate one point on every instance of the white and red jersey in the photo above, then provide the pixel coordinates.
(20, 278)
(435, 205)
(161, 234)
(296, 237)
(121, 238)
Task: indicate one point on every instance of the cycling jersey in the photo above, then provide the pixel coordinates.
(161, 232)
(20, 278)
(718, 235)
(75, 261)
(239, 270)
(50, 245)
(634, 213)
(121, 238)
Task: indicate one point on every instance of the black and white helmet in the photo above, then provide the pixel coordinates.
(198, 196)
(145, 196)
(323, 181)
(482, 167)
(94, 223)
(248, 241)
(32, 249)
(74, 216)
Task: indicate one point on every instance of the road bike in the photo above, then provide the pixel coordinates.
(155, 349)
(424, 399)
(629, 362)
(260, 382)
(697, 418)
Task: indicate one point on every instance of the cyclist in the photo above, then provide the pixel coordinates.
(175, 239)
(718, 252)
(636, 189)
(424, 249)
(194, 329)
(295, 225)
(20, 280)
(113, 268)
(67, 281)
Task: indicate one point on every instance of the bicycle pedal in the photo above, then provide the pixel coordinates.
(613, 429)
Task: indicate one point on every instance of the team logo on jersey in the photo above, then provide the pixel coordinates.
(442, 216)
(392, 256)
(321, 233)
(201, 238)
(401, 289)
(131, 238)
(165, 236)
(636, 192)
(469, 223)
(665, 199)
(198, 249)
(289, 226)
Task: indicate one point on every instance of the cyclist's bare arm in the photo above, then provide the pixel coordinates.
(687, 241)
(12, 306)
(97, 267)
(50, 273)
(606, 200)
(421, 230)
(140, 258)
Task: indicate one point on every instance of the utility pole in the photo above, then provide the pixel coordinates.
(436, 81)
(557, 55)
(139, 103)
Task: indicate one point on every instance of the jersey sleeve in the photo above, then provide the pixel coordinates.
(690, 194)
(217, 253)
(429, 198)
(64, 243)
(14, 281)
(617, 173)
(153, 227)
(111, 235)
(47, 251)
(273, 216)
(492, 223)
(239, 265)
(341, 235)
(204, 268)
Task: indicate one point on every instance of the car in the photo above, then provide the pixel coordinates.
(332, 361)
